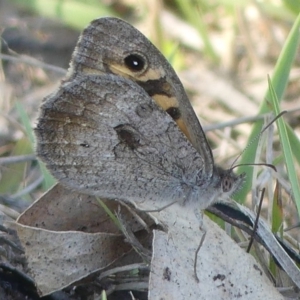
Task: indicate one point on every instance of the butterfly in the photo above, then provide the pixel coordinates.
(120, 126)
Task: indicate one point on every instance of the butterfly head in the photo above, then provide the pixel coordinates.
(226, 182)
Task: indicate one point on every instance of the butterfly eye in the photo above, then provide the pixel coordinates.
(135, 62)
(226, 184)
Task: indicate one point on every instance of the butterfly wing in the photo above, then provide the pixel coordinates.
(104, 135)
(110, 45)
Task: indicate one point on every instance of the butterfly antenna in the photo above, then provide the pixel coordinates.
(258, 164)
(256, 138)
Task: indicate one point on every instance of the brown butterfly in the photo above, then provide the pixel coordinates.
(120, 126)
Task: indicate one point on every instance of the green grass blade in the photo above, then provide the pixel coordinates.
(286, 147)
(109, 213)
(279, 80)
(103, 295)
(26, 122)
(12, 177)
(49, 180)
(294, 142)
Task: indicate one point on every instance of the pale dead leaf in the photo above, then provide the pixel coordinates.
(224, 269)
(57, 259)
(58, 253)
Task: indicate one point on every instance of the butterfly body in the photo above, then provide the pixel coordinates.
(121, 127)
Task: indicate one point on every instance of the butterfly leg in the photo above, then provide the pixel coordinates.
(199, 215)
(157, 209)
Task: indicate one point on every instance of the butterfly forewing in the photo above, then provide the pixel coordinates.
(105, 46)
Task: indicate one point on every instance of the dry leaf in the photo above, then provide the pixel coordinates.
(225, 271)
(57, 251)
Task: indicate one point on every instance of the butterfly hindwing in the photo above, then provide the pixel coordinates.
(115, 142)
